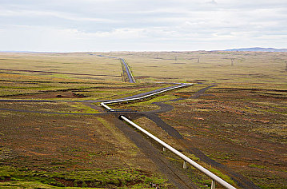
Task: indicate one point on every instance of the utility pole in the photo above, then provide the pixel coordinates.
(232, 60)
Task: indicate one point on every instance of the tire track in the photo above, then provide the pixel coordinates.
(172, 173)
(238, 178)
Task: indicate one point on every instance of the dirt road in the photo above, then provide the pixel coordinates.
(174, 174)
(153, 115)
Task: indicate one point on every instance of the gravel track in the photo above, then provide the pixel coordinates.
(238, 178)
(174, 174)
(171, 172)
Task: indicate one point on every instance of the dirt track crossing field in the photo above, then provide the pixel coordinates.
(53, 131)
(171, 172)
(240, 180)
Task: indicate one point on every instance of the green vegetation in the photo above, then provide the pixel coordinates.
(223, 176)
(124, 144)
(83, 108)
(240, 122)
(257, 166)
(239, 127)
(96, 178)
(145, 104)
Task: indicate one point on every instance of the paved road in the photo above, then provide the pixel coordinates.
(129, 74)
(127, 70)
(152, 115)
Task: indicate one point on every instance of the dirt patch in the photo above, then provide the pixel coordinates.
(5, 179)
(142, 77)
(166, 78)
(58, 94)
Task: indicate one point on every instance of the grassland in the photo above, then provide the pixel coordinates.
(249, 67)
(66, 150)
(241, 122)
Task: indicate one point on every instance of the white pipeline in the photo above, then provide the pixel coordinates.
(185, 158)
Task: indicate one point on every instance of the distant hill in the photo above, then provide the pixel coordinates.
(258, 49)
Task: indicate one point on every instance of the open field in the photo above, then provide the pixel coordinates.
(242, 128)
(249, 67)
(63, 65)
(239, 122)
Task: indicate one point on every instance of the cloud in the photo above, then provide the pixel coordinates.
(128, 25)
(212, 2)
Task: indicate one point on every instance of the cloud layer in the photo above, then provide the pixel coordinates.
(137, 25)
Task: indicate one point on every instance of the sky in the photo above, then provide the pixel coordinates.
(141, 25)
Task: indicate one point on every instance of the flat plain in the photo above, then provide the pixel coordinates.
(66, 139)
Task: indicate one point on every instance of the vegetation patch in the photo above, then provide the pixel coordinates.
(11, 177)
(239, 128)
(240, 123)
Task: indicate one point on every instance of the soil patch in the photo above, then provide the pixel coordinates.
(57, 94)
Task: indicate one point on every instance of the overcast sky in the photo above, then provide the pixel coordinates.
(141, 25)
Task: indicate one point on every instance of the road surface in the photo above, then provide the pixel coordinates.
(127, 70)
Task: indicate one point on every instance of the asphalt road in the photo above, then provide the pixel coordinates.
(131, 79)
(153, 115)
(127, 70)
(175, 178)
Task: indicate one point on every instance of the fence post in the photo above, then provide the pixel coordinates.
(184, 165)
(212, 184)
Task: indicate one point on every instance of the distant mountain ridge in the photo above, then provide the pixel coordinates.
(258, 49)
